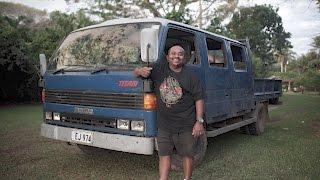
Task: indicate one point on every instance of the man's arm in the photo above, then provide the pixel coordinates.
(199, 108)
(142, 71)
(198, 128)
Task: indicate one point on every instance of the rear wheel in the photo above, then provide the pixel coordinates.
(92, 151)
(274, 101)
(258, 127)
(262, 115)
(201, 147)
(245, 130)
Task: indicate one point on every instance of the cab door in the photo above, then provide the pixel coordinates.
(190, 41)
(242, 79)
(218, 79)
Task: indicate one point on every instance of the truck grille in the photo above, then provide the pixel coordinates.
(90, 121)
(108, 100)
(83, 121)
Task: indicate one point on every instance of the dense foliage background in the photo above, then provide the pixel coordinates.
(24, 34)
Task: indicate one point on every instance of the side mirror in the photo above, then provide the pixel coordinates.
(149, 44)
(43, 64)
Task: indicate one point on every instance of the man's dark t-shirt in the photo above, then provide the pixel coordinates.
(176, 93)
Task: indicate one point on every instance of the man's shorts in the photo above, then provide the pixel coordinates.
(183, 143)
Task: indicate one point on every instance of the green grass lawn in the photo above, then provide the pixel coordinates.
(289, 149)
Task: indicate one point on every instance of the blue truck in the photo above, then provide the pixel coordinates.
(92, 99)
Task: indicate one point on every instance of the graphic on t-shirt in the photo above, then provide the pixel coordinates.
(170, 91)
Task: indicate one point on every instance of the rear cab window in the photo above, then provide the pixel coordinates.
(239, 58)
(215, 53)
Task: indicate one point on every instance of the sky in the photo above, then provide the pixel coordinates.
(300, 17)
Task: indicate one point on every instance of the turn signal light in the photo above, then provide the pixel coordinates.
(149, 101)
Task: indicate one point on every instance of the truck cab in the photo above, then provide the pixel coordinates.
(90, 94)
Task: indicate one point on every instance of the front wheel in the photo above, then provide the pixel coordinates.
(201, 148)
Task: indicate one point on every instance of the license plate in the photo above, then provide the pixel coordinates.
(82, 136)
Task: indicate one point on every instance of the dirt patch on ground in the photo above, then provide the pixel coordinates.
(315, 127)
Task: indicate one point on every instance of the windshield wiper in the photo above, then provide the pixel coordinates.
(100, 70)
(71, 68)
(61, 70)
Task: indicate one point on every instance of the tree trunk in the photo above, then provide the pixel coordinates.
(289, 86)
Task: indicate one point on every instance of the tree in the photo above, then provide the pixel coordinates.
(283, 58)
(310, 79)
(15, 11)
(178, 10)
(258, 67)
(263, 26)
(307, 70)
(217, 27)
(13, 58)
(318, 3)
(316, 42)
(21, 41)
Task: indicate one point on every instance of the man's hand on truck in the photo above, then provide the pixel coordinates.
(142, 71)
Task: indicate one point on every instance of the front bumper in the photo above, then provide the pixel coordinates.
(132, 144)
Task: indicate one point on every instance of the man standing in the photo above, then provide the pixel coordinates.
(180, 110)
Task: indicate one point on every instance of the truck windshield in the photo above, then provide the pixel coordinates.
(113, 47)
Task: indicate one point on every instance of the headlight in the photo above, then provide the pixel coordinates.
(49, 115)
(56, 116)
(137, 125)
(123, 124)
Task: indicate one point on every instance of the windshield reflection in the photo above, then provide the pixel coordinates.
(114, 47)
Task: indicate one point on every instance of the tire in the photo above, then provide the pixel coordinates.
(274, 101)
(92, 151)
(262, 115)
(244, 130)
(176, 160)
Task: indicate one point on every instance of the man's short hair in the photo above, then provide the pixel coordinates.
(168, 48)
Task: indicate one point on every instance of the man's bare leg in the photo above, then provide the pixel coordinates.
(187, 167)
(164, 167)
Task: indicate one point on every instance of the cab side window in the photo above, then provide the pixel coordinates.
(239, 61)
(216, 56)
(187, 41)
